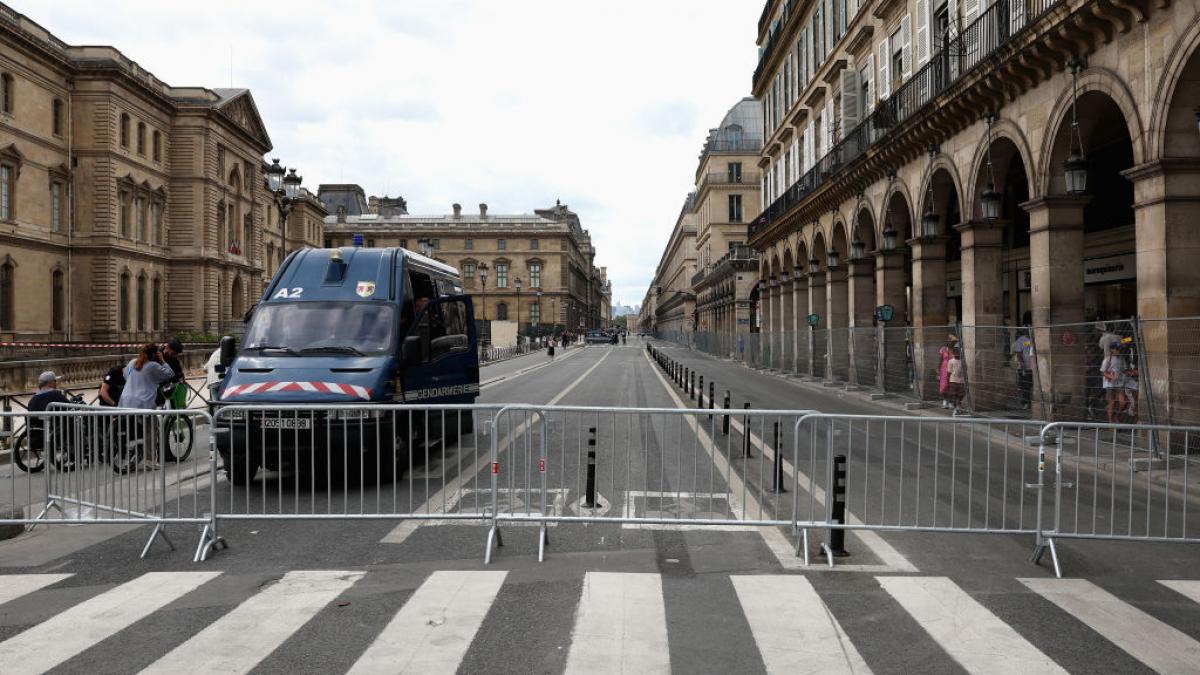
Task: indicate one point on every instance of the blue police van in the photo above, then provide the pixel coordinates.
(348, 326)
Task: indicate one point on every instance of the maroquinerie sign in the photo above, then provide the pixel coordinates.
(1116, 268)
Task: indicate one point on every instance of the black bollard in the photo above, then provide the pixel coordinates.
(746, 432)
(725, 422)
(712, 399)
(777, 483)
(692, 386)
(700, 394)
(589, 499)
(837, 537)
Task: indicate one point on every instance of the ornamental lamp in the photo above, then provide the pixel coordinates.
(858, 250)
(990, 200)
(291, 184)
(814, 265)
(275, 175)
(832, 259)
(929, 222)
(889, 238)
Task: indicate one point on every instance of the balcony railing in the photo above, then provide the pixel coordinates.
(959, 55)
(724, 178)
(773, 40)
(740, 252)
(743, 144)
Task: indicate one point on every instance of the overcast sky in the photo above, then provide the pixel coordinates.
(515, 103)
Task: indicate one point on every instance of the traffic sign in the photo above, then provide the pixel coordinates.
(884, 313)
(814, 319)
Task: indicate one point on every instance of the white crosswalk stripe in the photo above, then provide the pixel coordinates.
(17, 585)
(242, 638)
(794, 630)
(975, 637)
(433, 630)
(1154, 643)
(54, 641)
(620, 625)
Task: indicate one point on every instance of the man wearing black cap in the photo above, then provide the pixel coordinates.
(171, 352)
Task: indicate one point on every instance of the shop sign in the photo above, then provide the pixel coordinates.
(1115, 268)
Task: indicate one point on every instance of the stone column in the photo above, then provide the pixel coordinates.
(1056, 270)
(784, 360)
(929, 312)
(890, 280)
(862, 320)
(1167, 211)
(816, 305)
(800, 324)
(986, 346)
(837, 305)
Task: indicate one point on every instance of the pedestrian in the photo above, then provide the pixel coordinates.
(178, 393)
(550, 349)
(956, 384)
(947, 353)
(111, 386)
(1113, 370)
(143, 376)
(47, 394)
(1131, 386)
(1022, 349)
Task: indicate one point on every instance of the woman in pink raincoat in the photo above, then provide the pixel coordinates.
(947, 353)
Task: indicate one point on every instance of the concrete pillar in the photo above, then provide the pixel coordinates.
(1056, 271)
(986, 346)
(787, 311)
(929, 312)
(861, 280)
(890, 278)
(816, 305)
(1167, 212)
(837, 305)
(800, 325)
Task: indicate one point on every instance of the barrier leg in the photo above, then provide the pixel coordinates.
(158, 532)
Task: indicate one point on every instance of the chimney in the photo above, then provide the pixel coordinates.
(483, 210)
(458, 210)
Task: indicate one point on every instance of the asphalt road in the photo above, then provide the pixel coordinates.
(377, 595)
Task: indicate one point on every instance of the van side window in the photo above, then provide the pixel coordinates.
(447, 325)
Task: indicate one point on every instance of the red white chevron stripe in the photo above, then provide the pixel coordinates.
(311, 387)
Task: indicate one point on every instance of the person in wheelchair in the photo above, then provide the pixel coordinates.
(47, 394)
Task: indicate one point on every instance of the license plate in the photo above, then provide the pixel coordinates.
(287, 423)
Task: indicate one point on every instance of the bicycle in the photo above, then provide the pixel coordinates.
(178, 435)
(28, 455)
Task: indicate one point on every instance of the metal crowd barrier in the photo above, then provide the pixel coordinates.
(77, 464)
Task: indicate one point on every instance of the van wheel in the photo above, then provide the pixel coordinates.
(238, 472)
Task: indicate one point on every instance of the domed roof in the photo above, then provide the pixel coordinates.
(747, 114)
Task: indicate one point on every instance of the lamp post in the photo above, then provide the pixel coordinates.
(517, 284)
(483, 275)
(929, 221)
(286, 189)
(538, 315)
(553, 317)
(889, 237)
(990, 199)
(1075, 168)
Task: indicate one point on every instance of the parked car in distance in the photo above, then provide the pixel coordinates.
(598, 337)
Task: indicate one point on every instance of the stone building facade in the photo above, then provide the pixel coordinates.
(728, 197)
(670, 297)
(129, 208)
(549, 251)
(916, 156)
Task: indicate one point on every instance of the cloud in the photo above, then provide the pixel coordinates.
(514, 103)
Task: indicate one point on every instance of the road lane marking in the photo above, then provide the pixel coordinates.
(620, 625)
(525, 371)
(978, 640)
(1189, 589)
(17, 585)
(433, 630)
(784, 552)
(238, 641)
(456, 485)
(1145, 638)
(794, 630)
(92, 621)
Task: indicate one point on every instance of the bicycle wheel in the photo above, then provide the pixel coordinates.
(179, 439)
(127, 450)
(26, 457)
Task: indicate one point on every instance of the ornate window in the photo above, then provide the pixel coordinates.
(156, 303)
(469, 245)
(247, 234)
(123, 302)
(6, 93)
(535, 274)
(141, 303)
(8, 273)
(8, 175)
(58, 301)
(56, 117)
(56, 211)
(535, 312)
(502, 311)
(156, 146)
(123, 207)
(501, 275)
(468, 270)
(501, 245)
(156, 224)
(141, 138)
(533, 244)
(124, 130)
(139, 210)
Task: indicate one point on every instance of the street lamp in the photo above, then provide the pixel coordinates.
(832, 259)
(858, 250)
(553, 317)
(517, 283)
(1075, 168)
(538, 315)
(286, 189)
(889, 237)
(814, 265)
(990, 199)
(483, 275)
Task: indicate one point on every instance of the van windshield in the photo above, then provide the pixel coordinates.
(322, 327)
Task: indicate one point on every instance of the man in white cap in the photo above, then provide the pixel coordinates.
(47, 393)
